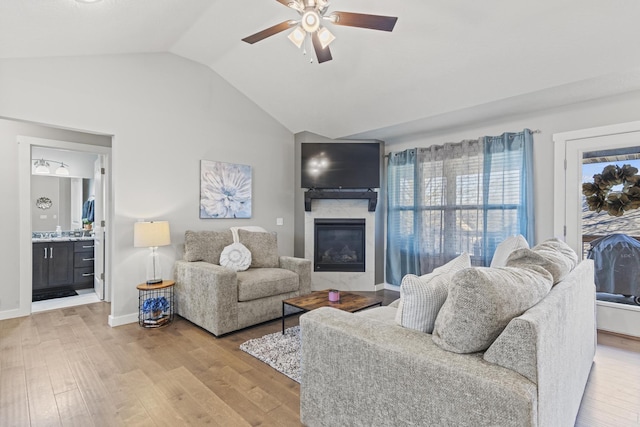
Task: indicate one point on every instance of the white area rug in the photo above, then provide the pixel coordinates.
(281, 352)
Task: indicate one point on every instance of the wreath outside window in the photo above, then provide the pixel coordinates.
(615, 203)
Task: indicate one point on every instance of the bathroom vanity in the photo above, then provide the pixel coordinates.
(63, 262)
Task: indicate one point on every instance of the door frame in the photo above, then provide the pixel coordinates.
(568, 150)
(25, 144)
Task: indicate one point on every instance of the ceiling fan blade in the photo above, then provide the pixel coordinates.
(361, 20)
(323, 55)
(269, 32)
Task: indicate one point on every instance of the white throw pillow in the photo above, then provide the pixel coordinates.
(504, 249)
(455, 265)
(236, 256)
(422, 297)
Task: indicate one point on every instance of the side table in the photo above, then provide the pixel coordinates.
(155, 304)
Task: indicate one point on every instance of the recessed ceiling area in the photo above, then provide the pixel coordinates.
(444, 62)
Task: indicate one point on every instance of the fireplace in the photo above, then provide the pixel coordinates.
(339, 244)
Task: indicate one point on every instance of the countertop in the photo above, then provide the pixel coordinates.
(60, 239)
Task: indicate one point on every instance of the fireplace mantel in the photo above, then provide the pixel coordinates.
(372, 196)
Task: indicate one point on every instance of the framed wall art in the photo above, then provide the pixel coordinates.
(225, 190)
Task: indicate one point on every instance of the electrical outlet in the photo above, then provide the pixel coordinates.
(279, 221)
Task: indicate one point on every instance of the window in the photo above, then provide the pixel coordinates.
(454, 198)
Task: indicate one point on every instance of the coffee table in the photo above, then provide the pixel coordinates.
(348, 302)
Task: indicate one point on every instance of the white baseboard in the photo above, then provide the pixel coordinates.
(12, 314)
(392, 287)
(123, 320)
(619, 318)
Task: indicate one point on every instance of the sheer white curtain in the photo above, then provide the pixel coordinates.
(458, 197)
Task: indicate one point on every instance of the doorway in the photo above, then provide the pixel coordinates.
(89, 244)
(570, 150)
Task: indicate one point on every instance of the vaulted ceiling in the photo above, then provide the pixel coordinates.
(446, 62)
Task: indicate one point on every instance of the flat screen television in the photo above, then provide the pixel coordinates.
(340, 165)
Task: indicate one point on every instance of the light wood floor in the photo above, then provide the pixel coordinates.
(68, 367)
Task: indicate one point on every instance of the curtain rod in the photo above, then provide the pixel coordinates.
(533, 131)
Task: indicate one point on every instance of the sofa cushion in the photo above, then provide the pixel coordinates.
(482, 301)
(205, 245)
(553, 255)
(257, 283)
(385, 315)
(234, 230)
(263, 248)
(461, 261)
(421, 297)
(506, 247)
(236, 256)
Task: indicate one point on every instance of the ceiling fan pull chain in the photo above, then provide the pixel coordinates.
(304, 48)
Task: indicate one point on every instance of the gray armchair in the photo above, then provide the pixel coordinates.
(222, 300)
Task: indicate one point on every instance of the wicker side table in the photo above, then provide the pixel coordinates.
(155, 304)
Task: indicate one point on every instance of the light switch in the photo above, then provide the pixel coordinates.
(43, 217)
(279, 221)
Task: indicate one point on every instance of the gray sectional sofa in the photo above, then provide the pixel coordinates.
(222, 300)
(366, 370)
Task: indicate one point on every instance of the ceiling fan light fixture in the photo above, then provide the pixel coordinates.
(297, 36)
(325, 36)
(296, 6)
(311, 21)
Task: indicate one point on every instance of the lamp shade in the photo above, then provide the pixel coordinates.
(151, 234)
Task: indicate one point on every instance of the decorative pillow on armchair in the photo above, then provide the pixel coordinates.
(205, 245)
(421, 297)
(482, 301)
(236, 256)
(263, 248)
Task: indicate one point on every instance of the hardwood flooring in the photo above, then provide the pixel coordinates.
(67, 367)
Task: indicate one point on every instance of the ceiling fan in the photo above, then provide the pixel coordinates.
(312, 13)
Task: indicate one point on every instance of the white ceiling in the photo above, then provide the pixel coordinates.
(445, 62)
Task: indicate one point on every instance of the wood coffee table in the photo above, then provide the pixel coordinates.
(348, 302)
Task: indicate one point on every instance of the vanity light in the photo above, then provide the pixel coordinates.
(42, 167)
(62, 170)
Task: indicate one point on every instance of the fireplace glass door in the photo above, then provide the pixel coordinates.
(339, 244)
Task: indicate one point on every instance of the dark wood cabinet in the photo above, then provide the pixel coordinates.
(40, 266)
(63, 265)
(83, 261)
(52, 265)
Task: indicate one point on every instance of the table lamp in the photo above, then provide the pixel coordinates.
(151, 234)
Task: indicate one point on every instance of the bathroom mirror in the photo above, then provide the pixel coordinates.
(64, 198)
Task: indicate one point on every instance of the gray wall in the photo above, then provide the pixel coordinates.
(166, 114)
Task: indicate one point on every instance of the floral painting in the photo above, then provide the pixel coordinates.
(225, 190)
